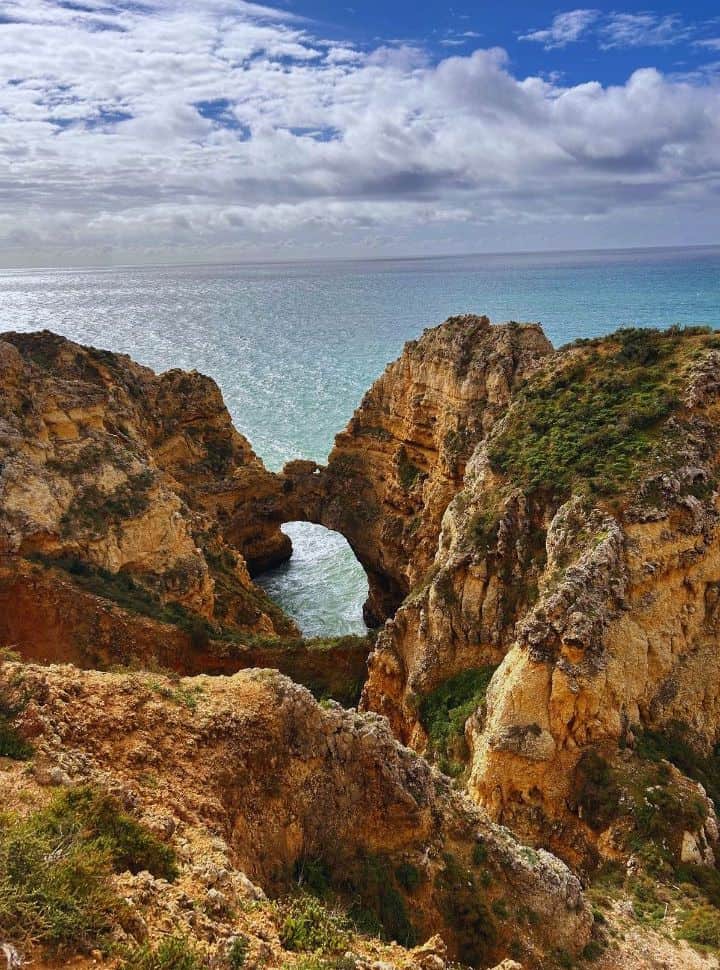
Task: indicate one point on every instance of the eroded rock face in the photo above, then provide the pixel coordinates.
(582, 558)
(255, 776)
(130, 480)
(402, 458)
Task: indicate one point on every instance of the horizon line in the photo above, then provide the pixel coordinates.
(304, 260)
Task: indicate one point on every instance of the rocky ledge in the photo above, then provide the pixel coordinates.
(247, 789)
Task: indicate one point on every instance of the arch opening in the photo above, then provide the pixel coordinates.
(322, 586)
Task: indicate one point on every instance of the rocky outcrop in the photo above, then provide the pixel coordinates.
(402, 458)
(549, 520)
(135, 483)
(250, 775)
(582, 557)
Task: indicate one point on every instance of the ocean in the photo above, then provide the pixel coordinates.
(294, 346)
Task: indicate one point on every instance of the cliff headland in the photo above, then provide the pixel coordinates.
(519, 764)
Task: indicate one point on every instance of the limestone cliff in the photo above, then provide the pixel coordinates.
(400, 461)
(549, 520)
(133, 484)
(249, 777)
(581, 559)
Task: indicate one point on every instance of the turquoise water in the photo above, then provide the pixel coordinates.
(294, 346)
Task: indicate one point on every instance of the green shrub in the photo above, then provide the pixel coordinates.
(408, 876)
(173, 953)
(479, 854)
(597, 792)
(673, 745)
(444, 711)
(308, 926)
(705, 878)
(564, 960)
(313, 875)
(98, 817)
(592, 951)
(666, 810)
(380, 908)
(500, 909)
(11, 744)
(466, 911)
(237, 955)
(369, 881)
(408, 473)
(702, 926)
(55, 883)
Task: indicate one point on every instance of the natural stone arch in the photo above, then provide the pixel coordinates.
(337, 604)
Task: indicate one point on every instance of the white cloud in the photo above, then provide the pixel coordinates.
(644, 30)
(565, 29)
(221, 128)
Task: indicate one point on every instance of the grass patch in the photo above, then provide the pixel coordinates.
(173, 953)
(702, 927)
(444, 711)
(96, 816)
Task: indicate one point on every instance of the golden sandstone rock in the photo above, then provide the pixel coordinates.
(539, 530)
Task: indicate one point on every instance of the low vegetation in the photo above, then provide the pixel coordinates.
(309, 926)
(173, 953)
(122, 589)
(655, 805)
(95, 510)
(652, 807)
(408, 473)
(597, 791)
(374, 888)
(12, 745)
(673, 745)
(595, 421)
(56, 867)
(466, 909)
(444, 711)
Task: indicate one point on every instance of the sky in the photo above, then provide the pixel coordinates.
(162, 131)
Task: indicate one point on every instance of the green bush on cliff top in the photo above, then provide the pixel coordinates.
(595, 420)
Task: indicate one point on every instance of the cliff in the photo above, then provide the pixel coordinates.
(253, 788)
(132, 486)
(570, 610)
(395, 468)
(539, 526)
